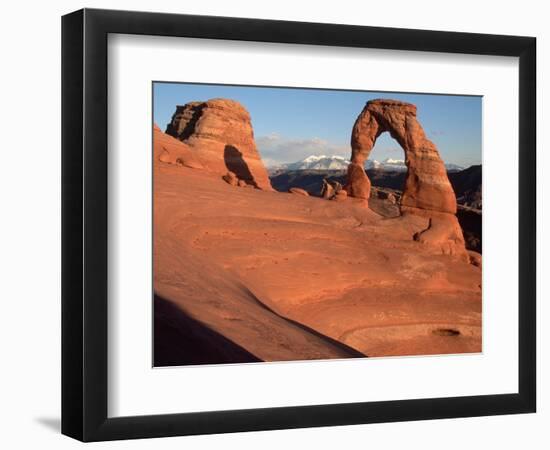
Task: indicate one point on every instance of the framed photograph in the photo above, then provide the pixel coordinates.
(273, 224)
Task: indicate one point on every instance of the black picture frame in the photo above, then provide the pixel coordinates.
(84, 224)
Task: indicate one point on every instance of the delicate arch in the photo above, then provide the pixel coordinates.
(427, 186)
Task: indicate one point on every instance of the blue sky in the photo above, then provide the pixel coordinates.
(291, 124)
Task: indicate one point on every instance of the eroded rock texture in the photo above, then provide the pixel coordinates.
(427, 192)
(171, 151)
(220, 133)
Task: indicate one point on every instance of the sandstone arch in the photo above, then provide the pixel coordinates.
(427, 191)
(427, 185)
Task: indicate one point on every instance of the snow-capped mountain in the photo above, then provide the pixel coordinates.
(334, 162)
(454, 167)
(316, 162)
(388, 165)
(398, 165)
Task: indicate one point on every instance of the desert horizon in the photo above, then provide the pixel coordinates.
(294, 245)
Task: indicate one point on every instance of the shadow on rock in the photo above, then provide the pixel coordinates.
(181, 340)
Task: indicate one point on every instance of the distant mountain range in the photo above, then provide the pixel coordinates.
(334, 163)
(313, 162)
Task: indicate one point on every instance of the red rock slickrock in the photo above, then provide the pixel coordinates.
(220, 133)
(340, 196)
(475, 258)
(231, 179)
(291, 277)
(298, 191)
(427, 191)
(168, 150)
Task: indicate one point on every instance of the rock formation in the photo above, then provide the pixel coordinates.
(340, 195)
(475, 258)
(168, 150)
(337, 186)
(327, 191)
(383, 194)
(219, 132)
(427, 192)
(231, 178)
(298, 191)
(331, 189)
